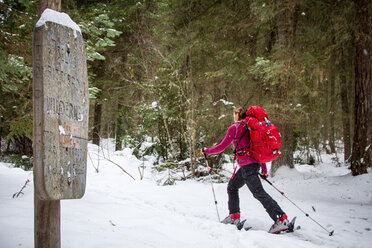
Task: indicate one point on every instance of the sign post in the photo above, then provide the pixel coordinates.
(61, 106)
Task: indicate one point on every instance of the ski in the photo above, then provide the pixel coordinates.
(240, 226)
(291, 226)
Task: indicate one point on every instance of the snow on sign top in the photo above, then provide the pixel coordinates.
(64, 19)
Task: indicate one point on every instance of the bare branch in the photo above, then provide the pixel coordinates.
(109, 160)
(96, 168)
(15, 195)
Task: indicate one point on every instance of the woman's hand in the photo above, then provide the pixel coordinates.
(263, 171)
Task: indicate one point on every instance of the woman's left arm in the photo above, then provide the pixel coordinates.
(224, 143)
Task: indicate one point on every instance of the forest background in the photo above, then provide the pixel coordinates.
(173, 70)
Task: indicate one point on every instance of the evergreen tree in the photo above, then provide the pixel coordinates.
(363, 90)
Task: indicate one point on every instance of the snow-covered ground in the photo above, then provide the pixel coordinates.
(118, 211)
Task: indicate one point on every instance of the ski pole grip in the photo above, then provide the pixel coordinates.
(205, 155)
(264, 178)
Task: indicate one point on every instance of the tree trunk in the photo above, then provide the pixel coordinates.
(51, 4)
(345, 108)
(325, 131)
(1, 137)
(359, 158)
(369, 151)
(190, 89)
(285, 22)
(350, 72)
(97, 123)
(326, 113)
(332, 110)
(286, 132)
(370, 85)
(118, 129)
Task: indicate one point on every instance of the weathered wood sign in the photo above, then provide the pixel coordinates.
(61, 105)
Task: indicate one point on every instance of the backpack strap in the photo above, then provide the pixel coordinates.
(241, 137)
(235, 151)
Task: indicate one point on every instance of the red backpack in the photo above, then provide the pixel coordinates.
(264, 136)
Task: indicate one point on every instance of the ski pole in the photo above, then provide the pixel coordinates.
(307, 215)
(210, 179)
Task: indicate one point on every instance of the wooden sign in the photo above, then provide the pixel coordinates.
(61, 108)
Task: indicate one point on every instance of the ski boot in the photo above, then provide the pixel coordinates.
(281, 224)
(232, 219)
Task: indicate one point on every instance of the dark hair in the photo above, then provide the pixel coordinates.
(241, 112)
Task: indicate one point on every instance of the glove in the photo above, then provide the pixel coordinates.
(263, 171)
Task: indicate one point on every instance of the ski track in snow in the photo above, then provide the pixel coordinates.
(117, 211)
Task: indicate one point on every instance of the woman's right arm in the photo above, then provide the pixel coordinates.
(224, 143)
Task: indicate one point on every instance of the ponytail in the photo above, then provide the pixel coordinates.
(241, 112)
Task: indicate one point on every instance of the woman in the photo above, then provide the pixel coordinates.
(247, 174)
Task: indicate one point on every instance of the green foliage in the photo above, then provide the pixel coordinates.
(20, 128)
(267, 71)
(169, 181)
(16, 107)
(166, 165)
(93, 92)
(22, 162)
(16, 23)
(16, 71)
(98, 32)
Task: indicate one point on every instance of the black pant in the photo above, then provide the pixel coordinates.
(248, 175)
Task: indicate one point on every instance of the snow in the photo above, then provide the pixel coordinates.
(118, 211)
(63, 19)
(224, 102)
(61, 130)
